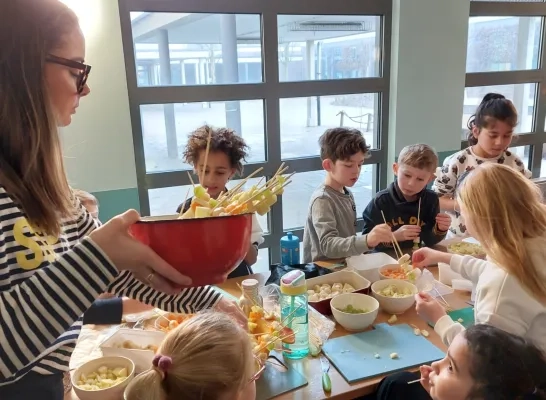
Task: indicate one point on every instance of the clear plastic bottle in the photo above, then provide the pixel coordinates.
(294, 314)
(250, 296)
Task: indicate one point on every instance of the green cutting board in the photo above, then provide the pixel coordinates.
(466, 314)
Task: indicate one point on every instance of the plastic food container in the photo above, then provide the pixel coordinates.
(446, 275)
(361, 285)
(367, 265)
(142, 359)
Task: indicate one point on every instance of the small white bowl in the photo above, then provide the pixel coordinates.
(394, 305)
(111, 393)
(416, 272)
(354, 322)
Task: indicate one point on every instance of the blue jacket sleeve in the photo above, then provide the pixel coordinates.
(104, 312)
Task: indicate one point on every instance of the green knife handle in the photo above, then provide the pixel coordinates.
(326, 382)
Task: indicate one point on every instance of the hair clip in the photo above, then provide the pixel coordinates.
(163, 363)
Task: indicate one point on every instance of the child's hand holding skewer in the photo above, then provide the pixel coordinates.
(428, 308)
(379, 234)
(424, 257)
(425, 371)
(407, 232)
(443, 221)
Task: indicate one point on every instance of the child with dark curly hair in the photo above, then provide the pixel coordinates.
(225, 160)
(482, 363)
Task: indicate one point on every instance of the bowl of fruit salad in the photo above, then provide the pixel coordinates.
(395, 296)
(354, 311)
(104, 378)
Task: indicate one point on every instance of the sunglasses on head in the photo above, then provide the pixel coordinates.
(83, 69)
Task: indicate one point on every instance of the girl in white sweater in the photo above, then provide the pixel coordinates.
(504, 211)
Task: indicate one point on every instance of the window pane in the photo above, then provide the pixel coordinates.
(296, 196)
(503, 43)
(165, 129)
(165, 201)
(318, 47)
(304, 119)
(262, 264)
(196, 49)
(523, 96)
(523, 152)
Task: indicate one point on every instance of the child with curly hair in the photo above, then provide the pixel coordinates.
(225, 160)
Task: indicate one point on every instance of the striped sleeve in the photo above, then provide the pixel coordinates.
(84, 220)
(36, 311)
(189, 300)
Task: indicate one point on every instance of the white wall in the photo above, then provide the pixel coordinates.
(98, 145)
(428, 66)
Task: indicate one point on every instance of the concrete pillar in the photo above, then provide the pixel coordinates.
(310, 76)
(230, 68)
(183, 71)
(202, 75)
(165, 80)
(428, 67)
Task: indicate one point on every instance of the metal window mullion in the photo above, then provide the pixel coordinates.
(332, 87)
(199, 93)
(474, 79)
(346, 7)
(134, 108)
(381, 171)
(157, 180)
(270, 56)
(501, 9)
(540, 109)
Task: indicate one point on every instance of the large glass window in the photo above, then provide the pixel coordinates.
(193, 49)
(277, 72)
(318, 47)
(505, 55)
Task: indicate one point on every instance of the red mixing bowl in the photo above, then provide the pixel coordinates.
(199, 248)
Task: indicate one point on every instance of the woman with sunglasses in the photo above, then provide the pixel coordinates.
(54, 259)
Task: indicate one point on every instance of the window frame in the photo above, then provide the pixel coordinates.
(537, 137)
(271, 90)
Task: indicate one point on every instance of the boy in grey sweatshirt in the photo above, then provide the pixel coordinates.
(330, 229)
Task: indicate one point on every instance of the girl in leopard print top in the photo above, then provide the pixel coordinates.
(491, 131)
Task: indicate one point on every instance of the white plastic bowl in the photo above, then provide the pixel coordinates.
(111, 393)
(354, 322)
(394, 305)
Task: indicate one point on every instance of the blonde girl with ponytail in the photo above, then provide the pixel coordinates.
(208, 357)
(504, 211)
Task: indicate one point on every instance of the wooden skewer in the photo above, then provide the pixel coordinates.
(281, 166)
(419, 212)
(259, 193)
(394, 241)
(202, 178)
(191, 180)
(185, 199)
(417, 240)
(234, 191)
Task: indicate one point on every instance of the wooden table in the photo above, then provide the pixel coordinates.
(311, 368)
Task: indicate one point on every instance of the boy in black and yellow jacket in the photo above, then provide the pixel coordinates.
(400, 201)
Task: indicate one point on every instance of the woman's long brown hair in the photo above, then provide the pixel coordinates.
(31, 162)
